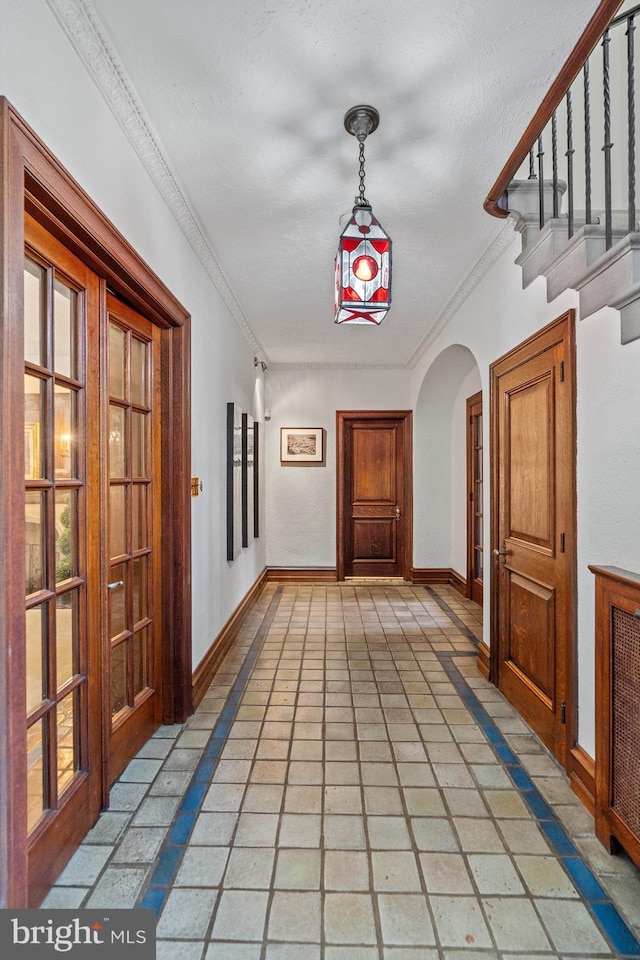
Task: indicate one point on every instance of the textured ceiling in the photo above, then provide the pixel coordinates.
(246, 101)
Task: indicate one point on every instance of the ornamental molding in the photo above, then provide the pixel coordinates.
(336, 366)
(501, 241)
(91, 42)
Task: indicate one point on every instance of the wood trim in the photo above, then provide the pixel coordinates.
(210, 664)
(341, 417)
(582, 777)
(458, 582)
(563, 328)
(13, 758)
(494, 203)
(301, 574)
(34, 180)
(427, 575)
(484, 659)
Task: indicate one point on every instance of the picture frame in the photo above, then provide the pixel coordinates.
(248, 487)
(256, 479)
(234, 481)
(302, 445)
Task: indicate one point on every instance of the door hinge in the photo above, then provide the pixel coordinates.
(562, 371)
(562, 543)
(563, 712)
(471, 496)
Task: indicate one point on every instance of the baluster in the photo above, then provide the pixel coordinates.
(569, 155)
(541, 181)
(554, 160)
(532, 170)
(587, 144)
(607, 140)
(631, 115)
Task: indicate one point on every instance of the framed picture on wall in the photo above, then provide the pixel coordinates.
(248, 516)
(234, 481)
(301, 445)
(256, 479)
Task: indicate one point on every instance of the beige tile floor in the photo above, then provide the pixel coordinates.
(354, 809)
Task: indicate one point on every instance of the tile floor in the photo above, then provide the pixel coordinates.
(350, 788)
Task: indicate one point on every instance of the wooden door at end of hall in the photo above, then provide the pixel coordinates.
(374, 493)
(533, 531)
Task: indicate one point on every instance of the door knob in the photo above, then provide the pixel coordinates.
(397, 512)
(500, 554)
(115, 584)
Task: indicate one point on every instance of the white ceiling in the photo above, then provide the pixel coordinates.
(246, 99)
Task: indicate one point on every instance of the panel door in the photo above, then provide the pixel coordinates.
(475, 508)
(133, 596)
(534, 459)
(62, 559)
(375, 514)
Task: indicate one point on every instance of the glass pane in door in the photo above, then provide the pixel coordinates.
(34, 541)
(64, 337)
(34, 396)
(34, 311)
(35, 774)
(139, 372)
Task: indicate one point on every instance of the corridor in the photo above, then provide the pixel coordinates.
(350, 788)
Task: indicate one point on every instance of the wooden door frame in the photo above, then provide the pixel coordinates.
(31, 178)
(563, 328)
(342, 418)
(471, 503)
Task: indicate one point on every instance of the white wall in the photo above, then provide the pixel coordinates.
(439, 458)
(301, 500)
(45, 81)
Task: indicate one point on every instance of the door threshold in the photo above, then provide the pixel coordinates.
(376, 580)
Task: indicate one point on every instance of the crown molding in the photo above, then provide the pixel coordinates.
(501, 241)
(336, 366)
(91, 42)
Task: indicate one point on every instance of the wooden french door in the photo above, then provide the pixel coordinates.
(92, 561)
(133, 534)
(62, 556)
(475, 508)
(374, 493)
(533, 531)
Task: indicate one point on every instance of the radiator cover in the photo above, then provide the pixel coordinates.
(617, 800)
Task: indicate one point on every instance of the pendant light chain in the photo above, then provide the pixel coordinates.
(361, 200)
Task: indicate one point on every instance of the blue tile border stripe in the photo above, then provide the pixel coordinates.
(460, 624)
(597, 900)
(160, 883)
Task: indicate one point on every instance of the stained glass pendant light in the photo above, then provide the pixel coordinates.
(363, 261)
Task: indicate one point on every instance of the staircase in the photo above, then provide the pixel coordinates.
(571, 183)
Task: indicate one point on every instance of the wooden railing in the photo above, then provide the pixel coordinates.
(496, 202)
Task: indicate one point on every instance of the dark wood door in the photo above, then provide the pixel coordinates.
(374, 493)
(133, 588)
(62, 557)
(475, 508)
(533, 532)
